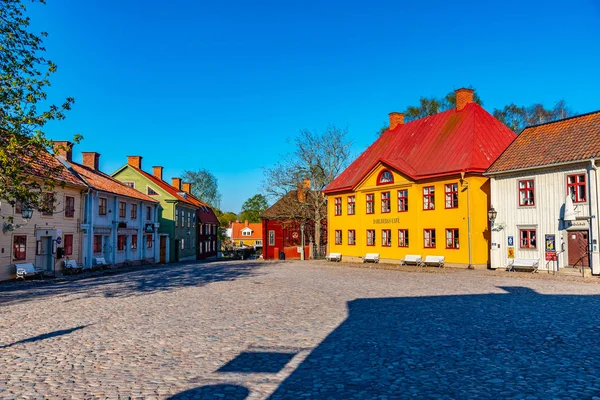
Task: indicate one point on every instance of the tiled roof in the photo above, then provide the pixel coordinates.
(172, 190)
(45, 161)
(100, 181)
(288, 207)
(206, 213)
(237, 227)
(571, 139)
(442, 144)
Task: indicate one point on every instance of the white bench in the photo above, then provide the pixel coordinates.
(25, 270)
(435, 261)
(371, 257)
(334, 257)
(527, 264)
(411, 259)
(100, 263)
(71, 267)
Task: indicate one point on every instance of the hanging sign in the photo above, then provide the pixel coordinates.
(511, 252)
(550, 243)
(511, 241)
(551, 256)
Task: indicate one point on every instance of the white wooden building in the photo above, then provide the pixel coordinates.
(544, 191)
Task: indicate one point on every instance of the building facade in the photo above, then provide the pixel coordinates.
(245, 234)
(544, 190)
(420, 189)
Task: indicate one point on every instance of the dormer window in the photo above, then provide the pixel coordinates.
(385, 177)
(247, 232)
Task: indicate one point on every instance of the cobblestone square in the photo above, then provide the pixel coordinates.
(290, 330)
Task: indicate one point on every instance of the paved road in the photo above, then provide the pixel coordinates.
(251, 330)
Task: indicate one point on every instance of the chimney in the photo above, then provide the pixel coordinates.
(176, 182)
(63, 149)
(302, 189)
(91, 159)
(157, 172)
(396, 119)
(135, 161)
(246, 223)
(464, 96)
(187, 187)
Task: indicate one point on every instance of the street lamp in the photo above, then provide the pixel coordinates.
(492, 214)
(27, 213)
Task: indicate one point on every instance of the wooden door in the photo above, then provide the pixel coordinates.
(163, 249)
(578, 248)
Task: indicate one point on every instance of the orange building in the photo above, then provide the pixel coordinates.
(244, 234)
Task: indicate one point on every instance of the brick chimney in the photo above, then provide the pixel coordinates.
(135, 161)
(187, 187)
(63, 149)
(246, 223)
(302, 189)
(157, 172)
(91, 159)
(464, 96)
(176, 182)
(396, 119)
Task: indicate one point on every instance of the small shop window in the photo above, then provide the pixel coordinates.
(20, 247)
(429, 238)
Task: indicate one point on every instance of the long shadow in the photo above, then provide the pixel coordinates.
(133, 283)
(45, 336)
(223, 391)
(518, 344)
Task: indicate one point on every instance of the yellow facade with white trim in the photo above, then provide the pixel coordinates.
(473, 191)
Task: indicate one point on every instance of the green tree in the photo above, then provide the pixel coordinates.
(518, 118)
(226, 218)
(205, 186)
(253, 207)
(25, 109)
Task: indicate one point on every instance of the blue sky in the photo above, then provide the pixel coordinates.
(222, 84)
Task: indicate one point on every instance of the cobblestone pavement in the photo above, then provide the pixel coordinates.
(290, 330)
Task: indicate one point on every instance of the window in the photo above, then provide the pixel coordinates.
(451, 192)
(271, 238)
(385, 202)
(338, 237)
(385, 177)
(370, 203)
(402, 237)
(247, 232)
(182, 244)
(121, 240)
(452, 238)
(134, 211)
(576, 188)
(69, 207)
(149, 241)
(351, 237)
(122, 209)
(97, 243)
(148, 213)
(150, 191)
(130, 184)
(428, 198)
(338, 206)
(48, 204)
(18, 207)
(134, 243)
(258, 243)
(402, 200)
(189, 219)
(370, 237)
(68, 244)
(176, 218)
(386, 237)
(526, 197)
(101, 206)
(351, 205)
(194, 220)
(528, 239)
(20, 247)
(428, 238)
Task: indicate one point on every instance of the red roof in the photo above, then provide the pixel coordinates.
(206, 213)
(571, 139)
(100, 181)
(447, 143)
(237, 227)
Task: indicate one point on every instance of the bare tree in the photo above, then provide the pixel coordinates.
(317, 160)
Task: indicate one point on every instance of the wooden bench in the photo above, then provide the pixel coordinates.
(334, 257)
(411, 259)
(26, 269)
(524, 264)
(71, 267)
(371, 257)
(100, 263)
(434, 261)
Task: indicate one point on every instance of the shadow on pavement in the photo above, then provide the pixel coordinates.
(45, 336)
(227, 392)
(133, 283)
(518, 344)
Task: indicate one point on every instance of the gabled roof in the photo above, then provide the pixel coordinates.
(288, 207)
(238, 227)
(572, 139)
(172, 190)
(101, 181)
(442, 144)
(205, 212)
(45, 161)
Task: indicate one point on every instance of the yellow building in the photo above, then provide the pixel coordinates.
(419, 189)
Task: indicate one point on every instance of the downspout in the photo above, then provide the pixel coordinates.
(464, 182)
(592, 245)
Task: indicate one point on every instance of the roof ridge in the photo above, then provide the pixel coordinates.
(560, 120)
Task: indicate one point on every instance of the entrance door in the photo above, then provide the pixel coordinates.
(45, 257)
(163, 249)
(176, 255)
(578, 248)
